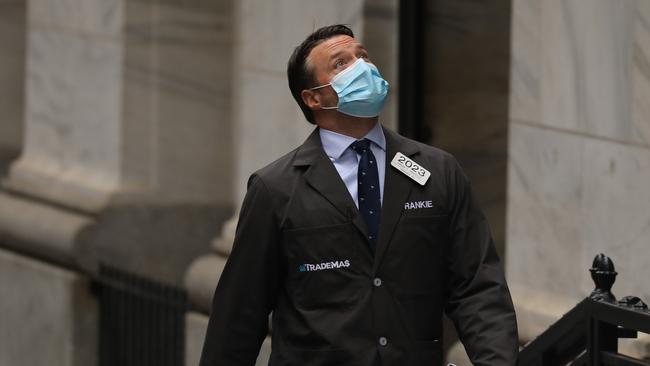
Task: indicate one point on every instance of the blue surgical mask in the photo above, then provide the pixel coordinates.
(360, 88)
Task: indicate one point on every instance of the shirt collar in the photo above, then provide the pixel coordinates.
(335, 143)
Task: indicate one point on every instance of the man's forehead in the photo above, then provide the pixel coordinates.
(334, 44)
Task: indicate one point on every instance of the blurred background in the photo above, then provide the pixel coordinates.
(128, 129)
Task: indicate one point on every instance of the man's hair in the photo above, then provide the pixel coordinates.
(300, 76)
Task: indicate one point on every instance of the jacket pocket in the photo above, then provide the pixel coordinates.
(290, 356)
(425, 353)
(323, 266)
(426, 345)
(417, 254)
(422, 317)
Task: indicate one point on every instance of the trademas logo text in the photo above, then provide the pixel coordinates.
(309, 267)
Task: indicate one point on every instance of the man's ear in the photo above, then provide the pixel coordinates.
(311, 99)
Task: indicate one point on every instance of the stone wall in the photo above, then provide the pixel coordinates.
(48, 314)
(579, 153)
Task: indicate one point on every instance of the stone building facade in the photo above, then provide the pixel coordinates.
(579, 154)
(128, 129)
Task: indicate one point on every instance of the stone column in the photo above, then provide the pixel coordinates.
(579, 152)
(127, 143)
(127, 124)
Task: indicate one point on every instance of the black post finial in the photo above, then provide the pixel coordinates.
(604, 275)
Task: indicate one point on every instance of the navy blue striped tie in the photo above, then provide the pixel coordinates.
(368, 192)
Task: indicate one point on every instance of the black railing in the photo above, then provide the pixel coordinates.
(588, 334)
(141, 321)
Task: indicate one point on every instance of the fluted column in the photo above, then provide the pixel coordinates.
(127, 126)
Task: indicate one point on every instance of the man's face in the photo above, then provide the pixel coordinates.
(325, 61)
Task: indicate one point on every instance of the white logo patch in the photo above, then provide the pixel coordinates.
(418, 204)
(310, 267)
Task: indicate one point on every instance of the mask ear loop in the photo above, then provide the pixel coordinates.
(320, 87)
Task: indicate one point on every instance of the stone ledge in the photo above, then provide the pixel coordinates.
(147, 238)
(69, 191)
(223, 243)
(41, 230)
(201, 280)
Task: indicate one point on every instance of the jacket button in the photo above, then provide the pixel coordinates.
(383, 341)
(376, 282)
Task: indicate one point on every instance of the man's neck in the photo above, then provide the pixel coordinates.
(347, 125)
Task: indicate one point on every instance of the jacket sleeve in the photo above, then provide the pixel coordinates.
(478, 299)
(246, 292)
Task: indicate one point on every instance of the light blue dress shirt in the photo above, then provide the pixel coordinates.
(346, 161)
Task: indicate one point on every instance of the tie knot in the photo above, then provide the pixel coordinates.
(360, 146)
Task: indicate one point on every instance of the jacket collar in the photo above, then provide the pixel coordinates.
(312, 149)
(323, 177)
(335, 144)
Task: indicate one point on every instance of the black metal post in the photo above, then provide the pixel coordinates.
(411, 67)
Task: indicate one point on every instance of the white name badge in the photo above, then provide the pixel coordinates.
(412, 169)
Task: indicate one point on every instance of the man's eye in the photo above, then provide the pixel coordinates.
(339, 63)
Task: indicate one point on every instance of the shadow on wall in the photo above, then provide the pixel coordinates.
(466, 95)
(12, 80)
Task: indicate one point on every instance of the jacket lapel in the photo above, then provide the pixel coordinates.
(397, 188)
(323, 177)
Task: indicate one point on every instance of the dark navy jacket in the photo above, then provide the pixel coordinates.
(301, 252)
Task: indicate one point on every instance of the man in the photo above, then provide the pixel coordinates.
(358, 240)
